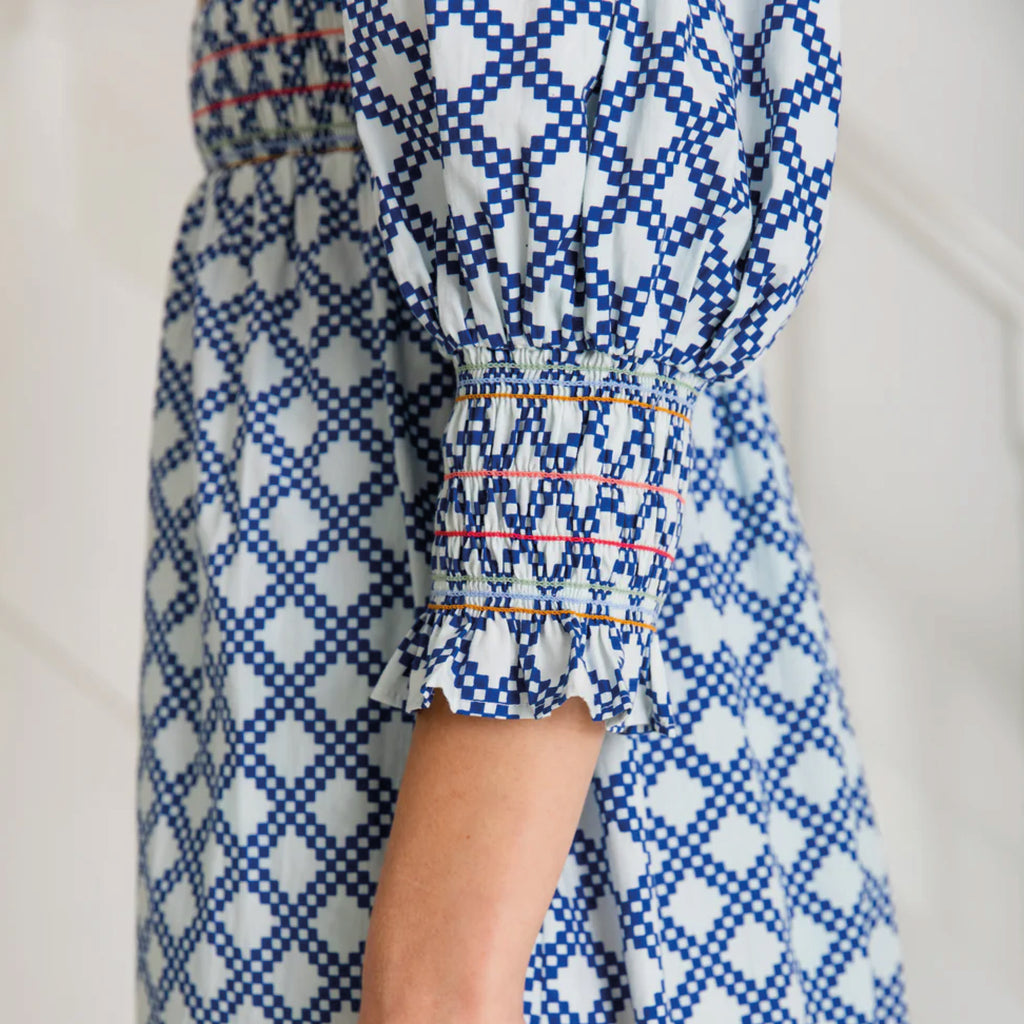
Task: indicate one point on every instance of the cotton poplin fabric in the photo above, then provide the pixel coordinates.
(458, 390)
(595, 209)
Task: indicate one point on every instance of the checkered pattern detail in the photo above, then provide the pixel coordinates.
(730, 872)
(556, 525)
(646, 179)
(268, 80)
(636, 183)
(598, 463)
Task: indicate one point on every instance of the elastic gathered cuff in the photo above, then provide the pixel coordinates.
(558, 518)
(494, 664)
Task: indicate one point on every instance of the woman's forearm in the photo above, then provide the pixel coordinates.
(483, 823)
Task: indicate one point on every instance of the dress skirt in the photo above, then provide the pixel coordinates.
(732, 873)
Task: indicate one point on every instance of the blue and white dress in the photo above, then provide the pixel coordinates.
(458, 390)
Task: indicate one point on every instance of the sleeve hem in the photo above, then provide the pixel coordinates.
(492, 665)
(559, 515)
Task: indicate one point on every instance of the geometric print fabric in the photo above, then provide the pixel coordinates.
(643, 179)
(731, 871)
(559, 511)
(615, 196)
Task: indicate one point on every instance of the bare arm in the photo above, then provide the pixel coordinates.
(483, 823)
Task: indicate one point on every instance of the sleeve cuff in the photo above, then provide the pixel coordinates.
(558, 519)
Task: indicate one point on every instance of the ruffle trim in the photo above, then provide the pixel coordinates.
(498, 664)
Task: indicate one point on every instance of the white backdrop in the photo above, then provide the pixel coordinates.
(889, 386)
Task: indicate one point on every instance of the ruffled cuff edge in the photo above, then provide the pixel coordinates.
(491, 663)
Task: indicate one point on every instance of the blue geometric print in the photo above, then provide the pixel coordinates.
(644, 179)
(559, 514)
(728, 869)
(587, 196)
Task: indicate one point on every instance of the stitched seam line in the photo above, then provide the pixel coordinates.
(289, 152)
(607, 587)
(620, 605)
(548, 366)
(509, 474)
(639, 390)
(266, 41)
(253, 154)
(537, 611)
(292, 90)
(573, 398)
(329, 130)
(317, 144)
(564, 540)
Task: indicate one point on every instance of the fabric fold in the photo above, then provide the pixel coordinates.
(492, 664)
(594, 211)
(558, 517)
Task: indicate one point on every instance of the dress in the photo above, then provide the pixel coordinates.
(424, 417)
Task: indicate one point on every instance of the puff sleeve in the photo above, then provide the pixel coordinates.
(596, 208)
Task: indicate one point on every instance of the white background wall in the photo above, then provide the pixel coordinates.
(888, 383)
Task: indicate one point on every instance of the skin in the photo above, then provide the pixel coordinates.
(483, 823)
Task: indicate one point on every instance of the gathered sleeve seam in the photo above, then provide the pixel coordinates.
(563, 488)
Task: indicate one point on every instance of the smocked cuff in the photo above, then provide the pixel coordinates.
(558, 518)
